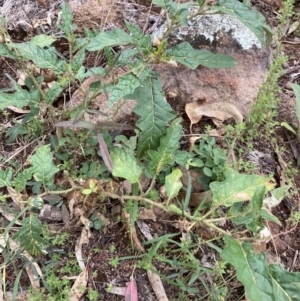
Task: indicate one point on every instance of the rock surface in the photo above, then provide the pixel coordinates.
(219, 34)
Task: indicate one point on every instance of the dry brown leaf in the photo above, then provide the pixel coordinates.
(192, 141)
(118, 290)
(147, 214)
(105, 153)
(75, 197)
(157, 286)
(17, 197)
(132, 232)
(79, 286)
(215, 133)
(219, 110)
(9, 216)
(50, 213)
(86, 222)
(17, 110)
(145, 230)
(65, 215)
(83, 239)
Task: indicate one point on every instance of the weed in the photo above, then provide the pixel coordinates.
(153, 151)
(59, 288)
(109, 288)
(92, 295)
(114, 262)
(112, 248)
(60, 239)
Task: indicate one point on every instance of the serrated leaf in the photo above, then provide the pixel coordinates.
(42, 162)
(66, 20)
(179, 11)
(42, 40)
(22, 178)
(43, 58)
(251, 18)
(261, 282)
(5, 177)
(185, 54)
(109, 38)
(6, 52)
(154, 112)
(30, 235)
(139, 39)
(19, 99)
(167, 148)
(126, 85)
(53, 92)
(14, 132)
(237, 187)
(77, 61)
(173, 183)
(125, 165)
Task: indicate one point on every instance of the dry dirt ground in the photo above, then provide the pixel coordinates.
(114, 241)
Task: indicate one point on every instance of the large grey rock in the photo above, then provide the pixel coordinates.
(219, 34)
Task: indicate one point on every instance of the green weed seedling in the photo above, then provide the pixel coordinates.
(209, 159)
(95, 222)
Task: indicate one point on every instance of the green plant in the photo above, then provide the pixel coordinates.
(95, 222)
(209, 159)
(114, 262)
(92, 295)
(60, 239)
(59, 288)
(109, 288)
(264, 111)
(152, 152)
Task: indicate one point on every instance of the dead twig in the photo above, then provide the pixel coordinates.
(291, 70)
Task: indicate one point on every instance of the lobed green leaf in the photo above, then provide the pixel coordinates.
(185, 54)
(179, 11)
(7, 52)
(154, 112)
(42, 40)
(30, 235)
(168, 145)
(237, 187)
(6, 177)
(109, 38)
(127, 84)
(67, 21)
(42, 162)
(22, 178)
(173, 183)
(125, 165)
(43, 58)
